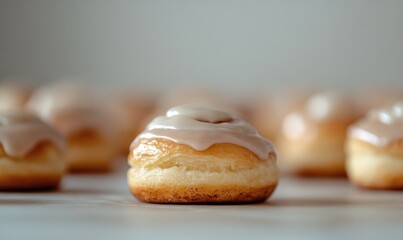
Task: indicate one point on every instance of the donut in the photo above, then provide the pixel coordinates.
(201, 153)
(31, 153)
(312, 138)
(75, 112)
(375, 149)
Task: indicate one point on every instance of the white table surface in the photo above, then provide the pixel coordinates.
(99, 206)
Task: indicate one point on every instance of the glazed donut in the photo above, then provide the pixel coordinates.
(31, 153)
(201, 153)
(13, 96)
(75, 112)
(375, 149)
(312, 138)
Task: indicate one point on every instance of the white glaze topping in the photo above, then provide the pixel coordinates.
(21, 132)
(201, 126)
(381, 126)
(203, 113)
(69, 108)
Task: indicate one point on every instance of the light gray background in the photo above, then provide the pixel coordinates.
(231, 45)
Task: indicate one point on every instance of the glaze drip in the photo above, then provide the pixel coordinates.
(201, 126)
(21, 132)
(70, 109)
(381, 126)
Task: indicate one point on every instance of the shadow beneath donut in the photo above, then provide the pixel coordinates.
(26, 202)
(60, 190)
(32, 190)
(86, 191)
(307, 202)
(328, 202)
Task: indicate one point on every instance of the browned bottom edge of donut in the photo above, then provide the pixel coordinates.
(392, 183)
(31, 182)
(203, 194)
(322, 173)
(90, 166)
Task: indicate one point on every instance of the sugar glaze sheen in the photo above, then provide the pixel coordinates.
(203, 125)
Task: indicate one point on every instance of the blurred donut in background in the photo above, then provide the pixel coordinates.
(313, 136)
(76, 112)
(375, 149)
(31, 153)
